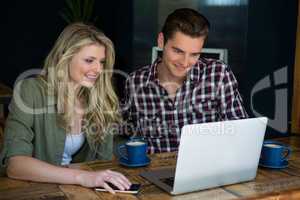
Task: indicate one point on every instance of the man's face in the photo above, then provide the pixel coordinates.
(180, 53)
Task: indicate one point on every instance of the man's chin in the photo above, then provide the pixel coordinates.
(180, 75)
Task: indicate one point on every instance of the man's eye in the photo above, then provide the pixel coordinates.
(177, 51)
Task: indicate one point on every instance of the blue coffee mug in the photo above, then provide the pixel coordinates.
(133, 151)
(274, 154)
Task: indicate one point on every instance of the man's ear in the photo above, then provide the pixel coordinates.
(160, 40)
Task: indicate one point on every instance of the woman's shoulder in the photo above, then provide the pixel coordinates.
(31, 90)
(32, 86)
(33, 83)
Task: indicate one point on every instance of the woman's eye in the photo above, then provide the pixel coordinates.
(88, 60)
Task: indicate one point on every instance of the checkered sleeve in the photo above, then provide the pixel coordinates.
(231, 103)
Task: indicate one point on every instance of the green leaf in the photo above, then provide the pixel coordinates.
(70, 4)
(88, 10)
(66, 18)
(79, 10)
(70, 10)
(84, 13)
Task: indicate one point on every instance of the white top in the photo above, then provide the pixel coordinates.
(72, 145)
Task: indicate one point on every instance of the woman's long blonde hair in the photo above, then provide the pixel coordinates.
(100, 101)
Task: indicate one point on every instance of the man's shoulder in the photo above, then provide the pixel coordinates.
(214, 67)
(140, 75)
(211, 69)
(142, 71)
(213, 64)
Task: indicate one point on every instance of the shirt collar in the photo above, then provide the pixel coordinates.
(197, 71)
(152, 77)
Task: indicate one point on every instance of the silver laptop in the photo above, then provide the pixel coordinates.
(212, 155)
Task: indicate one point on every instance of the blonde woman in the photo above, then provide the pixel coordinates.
(66, 114)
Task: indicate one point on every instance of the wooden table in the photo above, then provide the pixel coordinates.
(269, 184)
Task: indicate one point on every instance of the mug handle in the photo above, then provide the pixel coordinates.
(288, 153)
(120, 151)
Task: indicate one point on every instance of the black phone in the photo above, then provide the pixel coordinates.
(134, 188)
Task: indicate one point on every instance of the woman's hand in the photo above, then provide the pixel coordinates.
(32, 169)
(101, 178)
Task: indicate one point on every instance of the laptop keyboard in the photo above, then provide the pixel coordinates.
(169, 181)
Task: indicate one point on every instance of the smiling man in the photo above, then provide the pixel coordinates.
(180, 88)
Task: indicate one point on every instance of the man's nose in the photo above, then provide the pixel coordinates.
(185, 61)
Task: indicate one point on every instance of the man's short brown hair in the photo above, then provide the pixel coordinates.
(187, 21)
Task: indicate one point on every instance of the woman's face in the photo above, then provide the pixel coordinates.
(87, 64)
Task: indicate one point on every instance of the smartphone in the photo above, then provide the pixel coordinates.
(134, 189)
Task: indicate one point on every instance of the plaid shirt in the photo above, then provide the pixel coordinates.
(209, 93)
